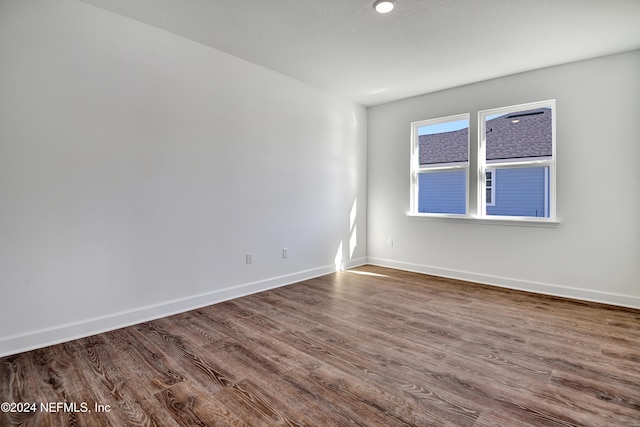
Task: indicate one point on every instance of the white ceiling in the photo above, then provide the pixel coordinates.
(346, 48)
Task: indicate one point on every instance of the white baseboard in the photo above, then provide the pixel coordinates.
(57, 334)
(352, 263)
(621, 300)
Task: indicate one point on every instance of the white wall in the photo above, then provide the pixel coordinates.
(594, 254)
(137, 168)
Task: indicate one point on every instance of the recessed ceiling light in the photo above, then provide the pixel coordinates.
(384, 6)
(515, 121)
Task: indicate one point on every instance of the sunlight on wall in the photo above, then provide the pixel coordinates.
(353, 241)
(338, 258)
(353, 238)
(352, 215)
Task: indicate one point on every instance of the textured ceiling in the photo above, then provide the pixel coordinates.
(346, 48)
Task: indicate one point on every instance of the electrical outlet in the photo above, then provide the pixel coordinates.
(249, 258)
(389, 242)
(285, 253)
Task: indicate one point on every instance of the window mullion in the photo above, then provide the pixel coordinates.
(515, 164)
(482, 165)
(440, 168)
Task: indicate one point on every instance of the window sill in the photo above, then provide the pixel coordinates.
(521, 222)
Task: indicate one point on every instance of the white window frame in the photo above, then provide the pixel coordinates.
(484, 165)
(416, 169)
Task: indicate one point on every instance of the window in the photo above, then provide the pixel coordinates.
(440, 166)
(516, 159)
(490, 189)
(514, 175)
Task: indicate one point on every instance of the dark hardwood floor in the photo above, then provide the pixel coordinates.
(366, 347)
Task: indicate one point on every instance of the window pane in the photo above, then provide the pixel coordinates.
(443, 143)
(442, 192)
(520, 134)
(520, 192)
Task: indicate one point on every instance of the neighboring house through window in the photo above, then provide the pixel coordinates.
(490, 187)
(515, 166)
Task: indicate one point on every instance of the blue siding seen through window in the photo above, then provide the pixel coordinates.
(442, 192)
(521, 192)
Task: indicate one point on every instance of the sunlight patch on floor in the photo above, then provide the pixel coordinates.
(365, 273)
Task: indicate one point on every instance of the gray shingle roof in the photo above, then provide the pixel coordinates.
(531, 136)
(446, 147)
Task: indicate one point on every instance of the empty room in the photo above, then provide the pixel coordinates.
(319, 213)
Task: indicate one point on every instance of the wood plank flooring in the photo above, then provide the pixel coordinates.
(366, 347)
